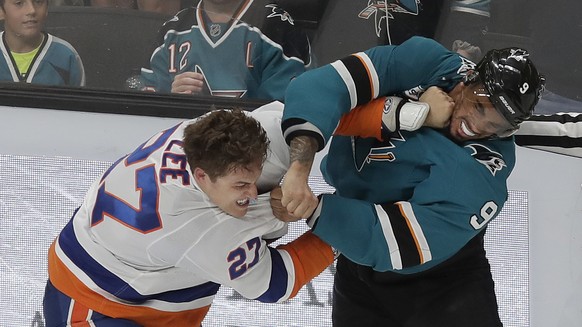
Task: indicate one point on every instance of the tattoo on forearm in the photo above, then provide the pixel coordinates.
(303, 149)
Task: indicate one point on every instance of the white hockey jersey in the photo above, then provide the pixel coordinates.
(148, 245)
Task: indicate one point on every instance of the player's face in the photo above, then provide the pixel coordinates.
(234, 192)
(25, 18)
(474, 116)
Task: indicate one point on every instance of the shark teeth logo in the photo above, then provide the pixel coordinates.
(278, 12)
(490, 159)
(382, 10)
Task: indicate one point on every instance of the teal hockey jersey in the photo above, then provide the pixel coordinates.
(411, 201)
(56, 63)
(255, 55)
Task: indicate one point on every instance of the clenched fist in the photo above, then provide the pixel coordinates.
(278, 209)
(441, 107)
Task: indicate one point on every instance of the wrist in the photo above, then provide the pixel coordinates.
(299, 169)
(312, 220)
(413, 115)
(403, 114)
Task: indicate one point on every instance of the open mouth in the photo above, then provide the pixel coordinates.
(466, 129)
(246, 201)
(243, 202)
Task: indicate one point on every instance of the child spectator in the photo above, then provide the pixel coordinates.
(31, 55)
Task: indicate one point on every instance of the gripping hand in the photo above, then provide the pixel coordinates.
(403, 114)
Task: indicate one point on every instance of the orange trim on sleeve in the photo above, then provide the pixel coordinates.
(369, 74)
(418, 249)
(65, 281)
(79, 315)
(363, 121)
(310, 257)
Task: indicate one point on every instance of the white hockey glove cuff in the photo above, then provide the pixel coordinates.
(403, 114)
(311, 221)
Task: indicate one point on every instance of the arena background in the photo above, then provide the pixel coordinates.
(49, 157)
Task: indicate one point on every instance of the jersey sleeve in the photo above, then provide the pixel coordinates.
(448, 208)
(559, 133)
(156, 77)
(277, 163)
(286, 54)
(246, 263)
(363, 121)
(316, 100)
(67, 62)
(77, 72)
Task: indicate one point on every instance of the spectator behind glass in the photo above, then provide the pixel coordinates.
(228, 48)
(33, 56)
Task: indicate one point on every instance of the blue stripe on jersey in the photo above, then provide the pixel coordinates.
(115, 285)
(278, 286)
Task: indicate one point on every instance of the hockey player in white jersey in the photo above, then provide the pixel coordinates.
(169, 223)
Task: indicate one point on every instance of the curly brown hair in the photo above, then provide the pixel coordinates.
(224, 141)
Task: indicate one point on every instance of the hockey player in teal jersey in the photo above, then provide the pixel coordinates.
(231, 48)
(32, 56)
(412, 203)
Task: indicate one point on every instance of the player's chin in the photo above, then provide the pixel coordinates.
(451, 133)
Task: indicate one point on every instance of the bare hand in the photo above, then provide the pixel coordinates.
(278, 209)
(297, 196)
(441, 107)
(188, 83)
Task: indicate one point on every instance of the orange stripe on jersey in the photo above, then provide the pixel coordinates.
(238, 12)
(200, 18)
(363, 121)
(65, 281)
(249, 55)
(79, 315)
(368, 73)
(310, 257)
(414, 237)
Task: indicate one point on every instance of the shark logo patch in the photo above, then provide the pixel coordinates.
(487, 157)
(366, 151)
